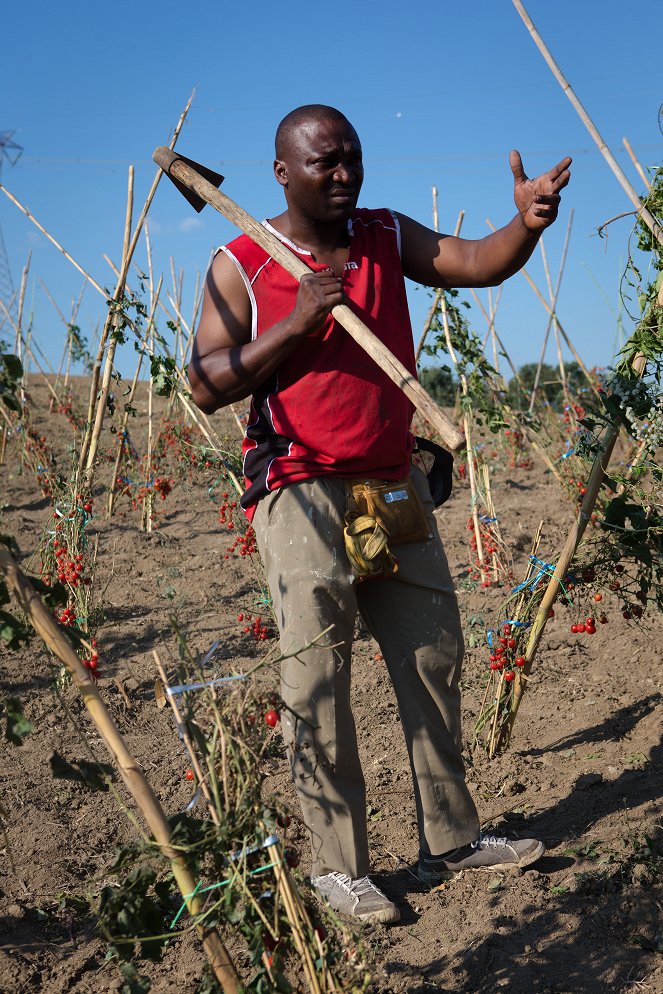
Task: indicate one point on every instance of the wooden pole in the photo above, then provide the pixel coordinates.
(436, 299)
(114, 321)
(388, 363)
(549, 309)
(91, 439)
(641, 173)
(125, 417)
(574, 537)
(551, 294)
(44, 624)
(552, 315)
(646, 216)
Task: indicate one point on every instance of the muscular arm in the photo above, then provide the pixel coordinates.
(226, 364)
(446, 261)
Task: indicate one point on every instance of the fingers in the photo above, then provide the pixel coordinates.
(560, 174)
(516, 163)
(318, 294)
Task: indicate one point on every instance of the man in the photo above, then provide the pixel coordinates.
(323, 416)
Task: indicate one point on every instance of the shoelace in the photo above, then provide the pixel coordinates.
(490, 840)
(356, 888)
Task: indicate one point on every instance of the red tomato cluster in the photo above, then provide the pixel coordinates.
(246, 543)
(259, 631)
(588, 626)
(226, 511)
(517, 459)
(69, 570)
(502, 658)
(68, 617)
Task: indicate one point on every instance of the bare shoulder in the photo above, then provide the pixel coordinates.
(226, 315)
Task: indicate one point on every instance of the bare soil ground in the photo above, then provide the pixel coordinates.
(584, 772)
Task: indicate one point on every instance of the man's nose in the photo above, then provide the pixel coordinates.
(343, 173)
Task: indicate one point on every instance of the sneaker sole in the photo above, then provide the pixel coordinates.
(435, 877)
(378, 917)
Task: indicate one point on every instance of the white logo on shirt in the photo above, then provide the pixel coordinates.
(351, 265)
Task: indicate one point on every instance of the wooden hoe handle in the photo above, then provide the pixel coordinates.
(179, 170)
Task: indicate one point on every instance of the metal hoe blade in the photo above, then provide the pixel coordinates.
(216, 179)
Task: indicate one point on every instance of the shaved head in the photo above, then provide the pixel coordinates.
(298, 119)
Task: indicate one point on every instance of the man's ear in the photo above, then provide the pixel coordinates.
(281, 172)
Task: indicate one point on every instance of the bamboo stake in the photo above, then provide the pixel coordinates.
(438, 296)
(89, 450)
(560, 357)
(549, 309)
(86, 455)
(148, 503)
(129, 769)
(574, 537)
(643, 175)
(186, 738)
(125, 418)
(553, 315)
(646, 216)
(467, 427)
(19, 322)
(52, 240)
(290, 904)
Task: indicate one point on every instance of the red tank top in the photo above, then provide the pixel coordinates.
(329, 410)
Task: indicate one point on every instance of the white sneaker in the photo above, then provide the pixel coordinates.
(359, 898)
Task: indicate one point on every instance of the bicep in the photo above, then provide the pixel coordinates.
(433, 258)
(226, 314)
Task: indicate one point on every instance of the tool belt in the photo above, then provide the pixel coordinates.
(379, 515)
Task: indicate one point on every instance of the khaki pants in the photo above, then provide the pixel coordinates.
(414, 618)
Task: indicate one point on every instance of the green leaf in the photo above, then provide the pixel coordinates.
(18, 726)
(13, 366)
(12, 631)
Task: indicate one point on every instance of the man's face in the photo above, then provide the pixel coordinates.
(322, 170)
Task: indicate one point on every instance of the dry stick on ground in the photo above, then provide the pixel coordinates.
(438, 296)
(643, 175)
(646, 216)
(130, 771)
(553, 314)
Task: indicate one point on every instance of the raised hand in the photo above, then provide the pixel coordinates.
(538, 199)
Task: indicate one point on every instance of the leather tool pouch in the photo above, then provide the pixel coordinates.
(381, 515)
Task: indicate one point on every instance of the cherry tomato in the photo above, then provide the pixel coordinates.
(509, 675)
(188, 775)
(272, 718)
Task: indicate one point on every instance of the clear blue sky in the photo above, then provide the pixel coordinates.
(438, 92)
